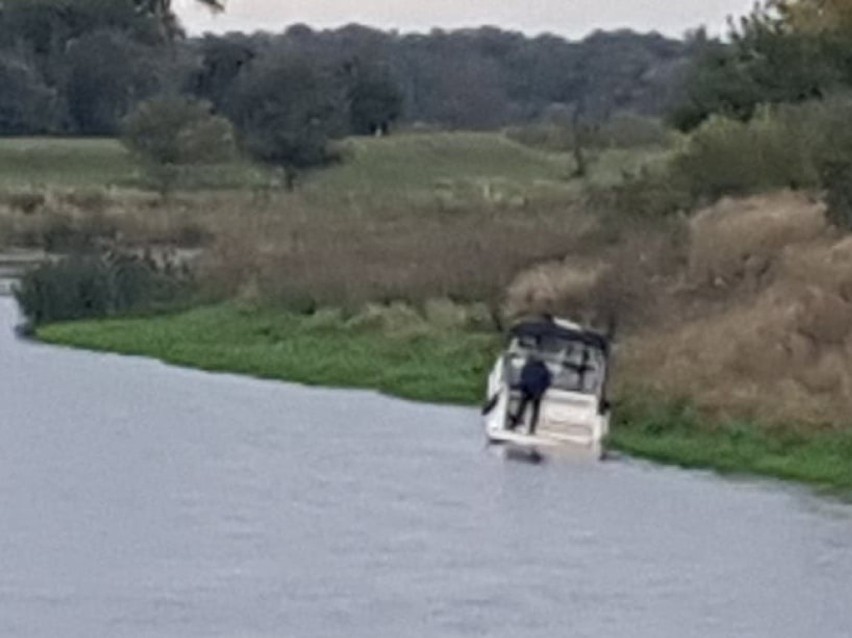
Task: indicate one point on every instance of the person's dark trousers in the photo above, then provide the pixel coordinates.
(536, 410)
(526, 401)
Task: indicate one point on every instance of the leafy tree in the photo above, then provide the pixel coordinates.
(466, 93)
(287, 110)
(177, 130)
(47, 26)
(27, 104)
(783, 52)
(221, 60)
(473, 78)
(375, 100)
(106, 74)
(162, 12)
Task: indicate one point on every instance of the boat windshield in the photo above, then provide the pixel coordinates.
(576, 366)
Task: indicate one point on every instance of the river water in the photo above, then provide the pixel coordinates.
(141, 500)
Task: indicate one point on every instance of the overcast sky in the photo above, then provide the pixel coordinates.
(573, 18)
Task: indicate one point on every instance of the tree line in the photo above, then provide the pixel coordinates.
(79, 67)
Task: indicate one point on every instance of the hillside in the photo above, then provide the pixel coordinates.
(67, 163)
(458, 170)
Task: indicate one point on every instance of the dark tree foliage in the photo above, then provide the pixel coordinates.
(45, 27)
(27, 104)
(162, 12)
(88, 286)
(177, 130)
(106, 75)
(220, 62)
(375, 99)
(481, 78)
(768, 62)
(80, 66)
(287, 109)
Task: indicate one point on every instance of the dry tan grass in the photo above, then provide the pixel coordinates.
(602, 283)
(298, 253)
(747, 312)
(59, 220)
(736, 240)
(566, 287)
(750, 361)
(777, 348)
(294, 249)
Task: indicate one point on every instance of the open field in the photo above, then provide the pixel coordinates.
(454, 170)
(103, 163)
(65, 163)
(451, 169)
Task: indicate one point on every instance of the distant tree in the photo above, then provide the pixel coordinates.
(773, 58)
(221, 60)
(47, 26)
(106, 75)
(170, 134)
(163, 13)
(27, 104)
(465, 92)
(287, 110)
(177, 130)
(472, 78)
(375, 100)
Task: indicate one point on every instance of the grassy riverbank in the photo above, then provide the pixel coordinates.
(425, 361)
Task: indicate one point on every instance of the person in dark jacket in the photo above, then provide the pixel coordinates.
(535, 382)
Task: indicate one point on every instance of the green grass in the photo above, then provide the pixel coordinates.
(63, 162)
(675, 434)
(457, 169)
(34, 162)
(407, 164)
(414, 161)
(448, 169)
(446, 366)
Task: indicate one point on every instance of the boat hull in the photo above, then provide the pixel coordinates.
(548, 443)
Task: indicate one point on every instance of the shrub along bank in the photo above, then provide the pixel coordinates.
(87, 286)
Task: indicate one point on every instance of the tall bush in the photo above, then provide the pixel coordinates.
(726, 156)
(94, 286)
(178, 131)
(287, 110)
(798, 146)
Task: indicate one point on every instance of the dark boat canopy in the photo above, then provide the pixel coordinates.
(546, 328)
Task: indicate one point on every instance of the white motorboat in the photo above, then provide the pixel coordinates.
(575, 412)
